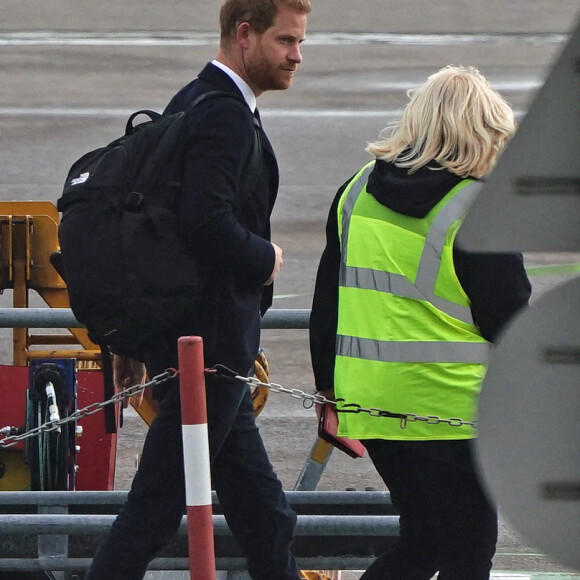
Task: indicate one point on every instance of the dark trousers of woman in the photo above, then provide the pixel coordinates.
(249, 491)
(447, 524)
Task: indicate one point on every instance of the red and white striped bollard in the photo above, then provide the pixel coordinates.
(196, 458)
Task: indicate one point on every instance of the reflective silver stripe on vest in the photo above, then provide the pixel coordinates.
(409, 352)
(430, 261)
(367, 279)
(424, 286)
(348, 206)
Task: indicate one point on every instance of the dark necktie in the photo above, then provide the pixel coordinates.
(257, 120)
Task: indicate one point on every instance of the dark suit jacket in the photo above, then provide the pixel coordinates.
(227, 229)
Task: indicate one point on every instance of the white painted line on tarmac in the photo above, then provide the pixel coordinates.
(193, 38)
(283, 296)
(64, 112)
(503, 86)
(121, 112)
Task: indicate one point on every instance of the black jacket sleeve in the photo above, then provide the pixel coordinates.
(497, 285)
(324, 314)
(221, 140)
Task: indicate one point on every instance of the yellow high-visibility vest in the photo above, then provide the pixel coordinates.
(406, 341)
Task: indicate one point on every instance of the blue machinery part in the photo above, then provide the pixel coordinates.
(51, 395)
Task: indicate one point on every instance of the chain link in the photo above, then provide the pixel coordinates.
(318, 399)
(89, 409)
(221, 370)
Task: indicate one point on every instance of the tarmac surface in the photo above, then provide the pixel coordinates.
(71, 74)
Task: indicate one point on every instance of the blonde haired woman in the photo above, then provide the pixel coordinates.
(402, 320)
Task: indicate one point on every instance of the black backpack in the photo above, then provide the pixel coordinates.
(129, 277)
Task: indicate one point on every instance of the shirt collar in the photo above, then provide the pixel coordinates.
(244, 87)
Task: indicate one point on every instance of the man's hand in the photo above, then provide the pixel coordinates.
(128, 372)
(277, 265)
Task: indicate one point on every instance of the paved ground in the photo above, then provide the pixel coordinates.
(71, 74)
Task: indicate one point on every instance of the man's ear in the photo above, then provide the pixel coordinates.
(243, 34)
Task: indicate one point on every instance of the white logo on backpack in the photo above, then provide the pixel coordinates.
(80, 179)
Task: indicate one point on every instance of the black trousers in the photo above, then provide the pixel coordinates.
(447, 523)
(249, 491)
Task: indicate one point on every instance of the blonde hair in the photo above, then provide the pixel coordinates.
(454, 119)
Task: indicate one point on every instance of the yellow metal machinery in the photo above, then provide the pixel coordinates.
(321, 575)
(28, 237)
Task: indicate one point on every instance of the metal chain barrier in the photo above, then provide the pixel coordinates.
(223, 371)
(318, 399)
(89, 409)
